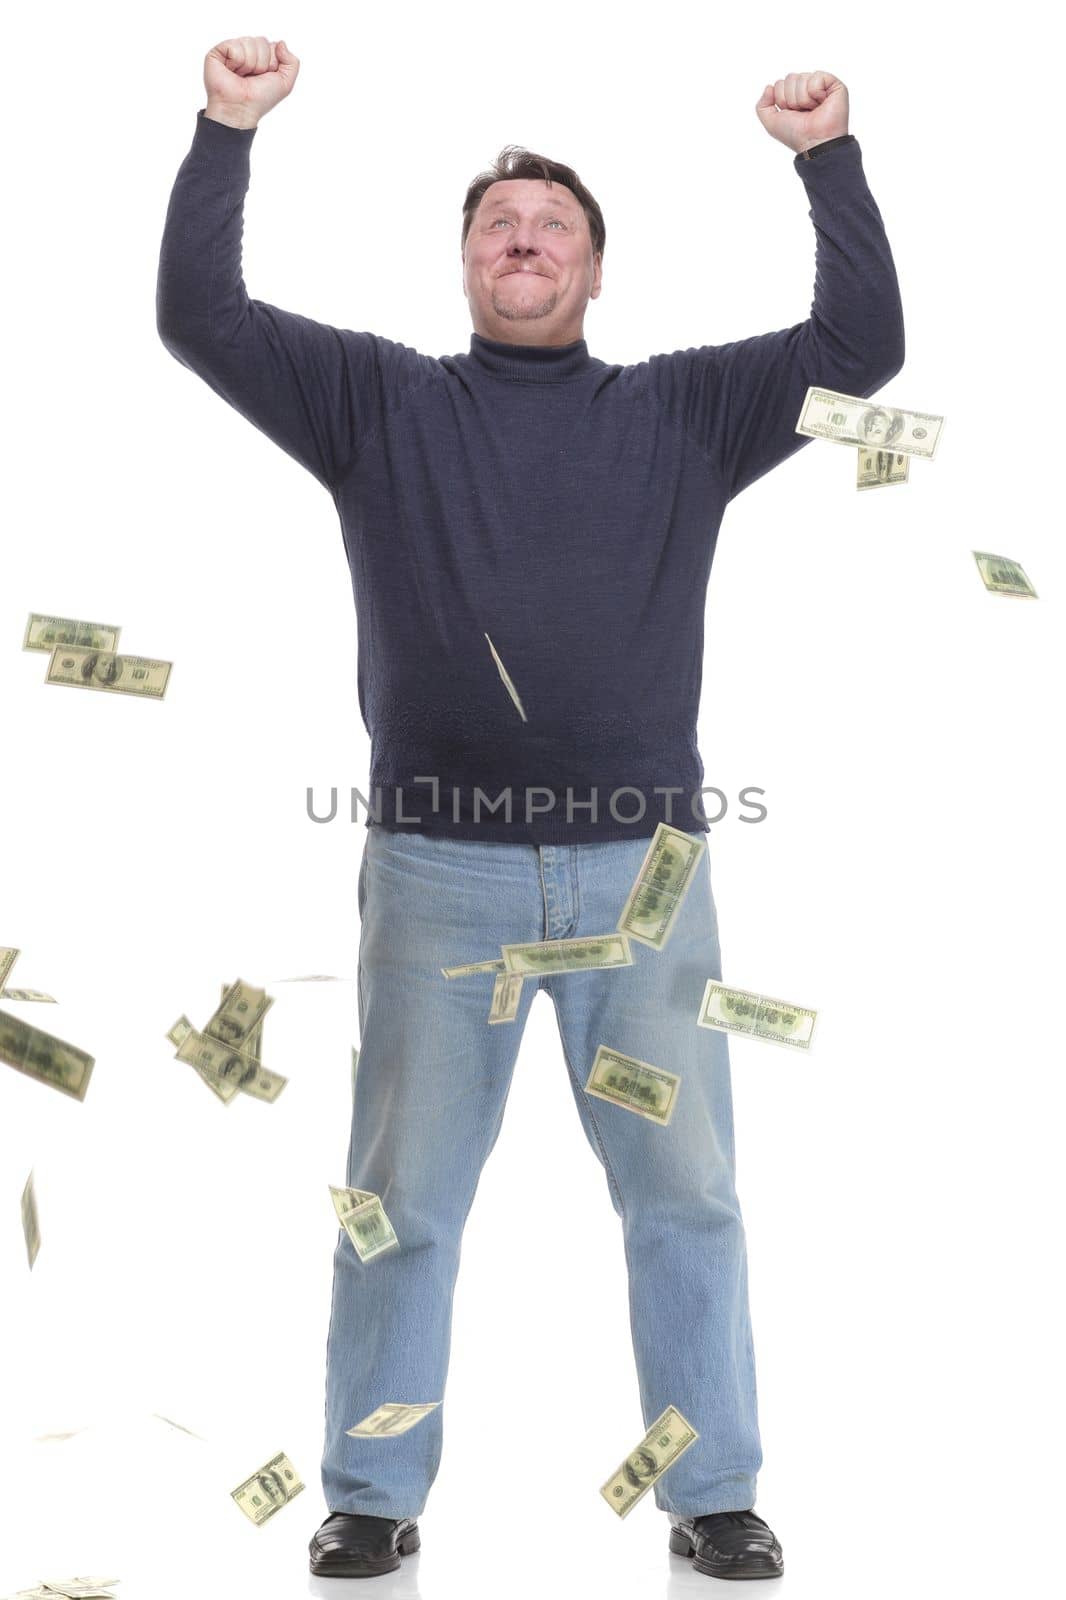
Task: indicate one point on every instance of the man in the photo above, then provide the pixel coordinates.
(530, 533)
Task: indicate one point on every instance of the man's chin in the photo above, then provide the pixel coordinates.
(523, 311)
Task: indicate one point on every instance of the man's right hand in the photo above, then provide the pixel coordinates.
(246, 77)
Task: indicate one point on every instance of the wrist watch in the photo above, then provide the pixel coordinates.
(826, 144)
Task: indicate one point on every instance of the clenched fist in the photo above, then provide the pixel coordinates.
(246, 77)
(804, 109)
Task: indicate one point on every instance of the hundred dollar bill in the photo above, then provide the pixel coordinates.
(44, 633)
(506, 994)
(8, 957)
(1001, 575)
(221, 1063)
(740, 1011)
(42, 1056)
(390, 1419)
(30, 1226)
(508, 685)
(267, 1490)
(80, 1588)
(567, 955)
(177, 1036)
(265, 1085)
(664, 879)
(102, 669)
(241, 1009)
(27, 994)
(879, 467)
(665, 1441)
(363, 1219)
(634, 1084)
(849, 419)
(471, 967)
(180, 1031)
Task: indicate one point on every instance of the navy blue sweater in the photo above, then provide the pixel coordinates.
(565, 506)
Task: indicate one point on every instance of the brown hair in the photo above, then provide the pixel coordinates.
(514, 161)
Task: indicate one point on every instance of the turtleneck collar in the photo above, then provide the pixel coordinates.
(532, 363)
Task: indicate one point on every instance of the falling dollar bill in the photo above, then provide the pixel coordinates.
(634, 1084)
(8, 957)
(664, 879)
(179, 1035)
(267, 1490)
(221, 1063)
(40, 1055)
(508, 685)
(506, 994)
(390, 1419)
(179, 1425)
(567, 955)
(265, 1085)
(1002, 575)
(879, 467)
(102, 669)
(740, 1011)
(472, 967)
(44, 633)
(849, 419)
(27, 994)
(363, 1219)
(30, 1226)
(665, 1441)
(241, 1009)
(80, 1588)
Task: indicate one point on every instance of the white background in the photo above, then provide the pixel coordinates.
(903, 1224)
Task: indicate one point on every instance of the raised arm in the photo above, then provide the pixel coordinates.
(317, 391)
(741, 401)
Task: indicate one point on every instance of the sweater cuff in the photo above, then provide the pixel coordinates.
(825, 144)
(219, 136)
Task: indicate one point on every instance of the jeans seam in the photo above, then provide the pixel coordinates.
(611, 1178)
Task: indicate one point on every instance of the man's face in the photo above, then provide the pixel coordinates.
(528, 268)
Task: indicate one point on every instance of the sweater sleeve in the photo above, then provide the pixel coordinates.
(740, 402)
(317, 391)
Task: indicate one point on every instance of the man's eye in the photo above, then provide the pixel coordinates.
(550, 219)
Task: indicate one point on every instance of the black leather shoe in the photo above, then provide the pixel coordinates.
(728, 1544)
(349, 1545)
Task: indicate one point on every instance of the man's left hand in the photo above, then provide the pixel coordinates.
(804, 109)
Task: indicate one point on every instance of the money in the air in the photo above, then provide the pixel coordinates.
(267, 1490)
(390, 1419)
(661, 884)
(567, 955)
(851, 420)
(741, 1011)
(42, 1056)
(634, 1084)
(664, 1443)
(1003, 576)
(103, 669)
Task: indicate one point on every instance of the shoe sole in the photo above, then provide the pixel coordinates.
(338, 1567)
(766, 1567)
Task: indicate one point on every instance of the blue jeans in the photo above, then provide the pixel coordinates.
(430, 1089)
